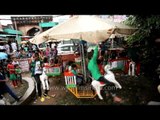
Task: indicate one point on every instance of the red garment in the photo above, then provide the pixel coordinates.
(102, 82)
(56, 65)
(126, 67)
(138, 68)
(101, 69)
(9, 67)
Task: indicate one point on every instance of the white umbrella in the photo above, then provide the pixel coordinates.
(39, 38)
(89, 28)
(120, 28)
(57, 40)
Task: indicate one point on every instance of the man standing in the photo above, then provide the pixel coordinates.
(96, 73)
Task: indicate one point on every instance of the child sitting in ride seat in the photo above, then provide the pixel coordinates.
(51, 62)
(79, 77)
(68, 67)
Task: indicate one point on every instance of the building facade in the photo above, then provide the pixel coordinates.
(29, 25)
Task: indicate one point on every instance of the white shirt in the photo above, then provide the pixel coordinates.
(33, 47)
(38, 69)
(7, 48)
(14, 46)
(2, 47)
(15, 63)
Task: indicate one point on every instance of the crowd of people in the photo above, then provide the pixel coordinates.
(12, 72)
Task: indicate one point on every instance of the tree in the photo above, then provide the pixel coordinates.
(148, 31)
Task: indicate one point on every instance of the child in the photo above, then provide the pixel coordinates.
(15, 61)
(11, 69)
(44, 78)
(79, 78)
(51, 63)
(68, 67)
(18, 72)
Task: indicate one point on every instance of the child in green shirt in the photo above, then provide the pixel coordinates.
(18, 71)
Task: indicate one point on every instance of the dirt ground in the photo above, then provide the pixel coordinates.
(135, 91)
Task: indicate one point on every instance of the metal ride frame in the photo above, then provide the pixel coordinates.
(71, 84)
(70, 79)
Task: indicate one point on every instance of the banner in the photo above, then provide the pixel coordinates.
(23, 63)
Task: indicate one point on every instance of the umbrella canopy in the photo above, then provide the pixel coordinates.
(3, 56)
(121, 28)
(39, 38)
(89, 28)
(57, 40)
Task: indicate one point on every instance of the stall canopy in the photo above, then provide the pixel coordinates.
(11, 31)
(89, 28)
(48, 24)
(121, 28)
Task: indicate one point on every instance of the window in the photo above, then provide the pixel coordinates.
(66, 48)
(67, 42)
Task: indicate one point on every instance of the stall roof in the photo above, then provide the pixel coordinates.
(11, 31)
(48, 24)
(6, 35)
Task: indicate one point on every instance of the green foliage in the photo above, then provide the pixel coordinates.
(148, 31)
(145, 24)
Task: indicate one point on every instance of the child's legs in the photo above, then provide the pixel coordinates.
(47, 85)
(19, 78)
(43, 84)
(13, 79)
(79, 80)
(13, 83)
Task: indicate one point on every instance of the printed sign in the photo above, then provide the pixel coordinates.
(24, 65)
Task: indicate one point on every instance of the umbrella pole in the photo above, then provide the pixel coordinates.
(81, 53)
(84, 63)
(112, 43)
